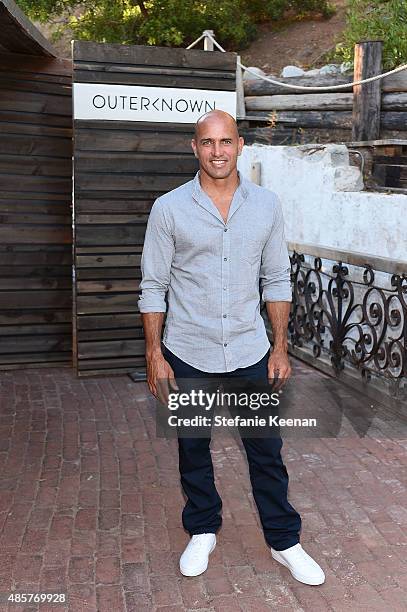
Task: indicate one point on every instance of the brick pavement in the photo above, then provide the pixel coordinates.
(90, 504)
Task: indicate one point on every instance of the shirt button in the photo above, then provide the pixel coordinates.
(226, 229)
(224, 316)
(224, 288)
(225, 344)
(225, 259)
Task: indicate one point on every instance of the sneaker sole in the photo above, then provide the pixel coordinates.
(198, 572)
(299, 577)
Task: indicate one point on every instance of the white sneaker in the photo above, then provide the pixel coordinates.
(194, 560)
(301, 565)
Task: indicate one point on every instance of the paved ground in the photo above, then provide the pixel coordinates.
(90, 504)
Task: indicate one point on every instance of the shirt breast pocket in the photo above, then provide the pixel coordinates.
(251, 250)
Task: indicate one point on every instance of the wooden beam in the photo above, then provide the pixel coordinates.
(325, 101)
(367, 97)
(258, 87)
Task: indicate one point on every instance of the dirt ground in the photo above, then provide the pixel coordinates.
(302, 43)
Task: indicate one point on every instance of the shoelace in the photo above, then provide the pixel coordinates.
(196, 543)
(301, 555)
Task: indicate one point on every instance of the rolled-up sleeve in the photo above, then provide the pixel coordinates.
(275, 267)
(156, 260)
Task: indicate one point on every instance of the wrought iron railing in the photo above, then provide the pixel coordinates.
(349, 313)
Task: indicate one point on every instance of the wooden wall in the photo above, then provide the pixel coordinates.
(35, 213)
(279, 116)
(119, 170)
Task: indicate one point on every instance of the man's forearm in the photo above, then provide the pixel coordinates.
(152, 323)
(278, 314)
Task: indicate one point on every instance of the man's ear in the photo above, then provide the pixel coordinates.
(241, 144)
(193, 145)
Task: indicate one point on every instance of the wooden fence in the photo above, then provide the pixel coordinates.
(278, 115)
(120, 168)
(35, 210)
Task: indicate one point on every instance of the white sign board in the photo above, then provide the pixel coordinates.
(151, 104)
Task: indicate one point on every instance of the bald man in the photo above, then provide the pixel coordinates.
(215, 247)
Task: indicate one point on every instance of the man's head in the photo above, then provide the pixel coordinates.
(217, 144)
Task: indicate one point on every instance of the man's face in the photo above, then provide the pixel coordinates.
(217, 145)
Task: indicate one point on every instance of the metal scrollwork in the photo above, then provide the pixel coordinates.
(355, 322)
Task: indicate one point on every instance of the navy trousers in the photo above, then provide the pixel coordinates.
(268, 474)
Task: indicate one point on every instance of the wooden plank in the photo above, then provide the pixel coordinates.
(394, 102)
(110, 334)
(36, 103)
(185, 80)
(310, 119)
(18, 345)
(47, 258)
(326, 101)
(108, 261)
(107, 303)
(28, 164)
(27, 360)
(34, 219)
(107, 321)
(111, 348)
(8, 83)
(47, 273)
(123, 140)
(25, 330)
(103, 273)
(22, 144)
(35, 317)
(41, 184)
(102, 234)
(367, 97)
(86, 51)
(134, 206)
(258, 87)
(395, 82)
(112, 249)
(95, 161)
(15, 62)
(36, 235)
(35, 77)
(111, 219)
(107, 285)
(11, 300)
(129, 181)
(280, 136)
(29, 284)
(35, 130)
(11, 116)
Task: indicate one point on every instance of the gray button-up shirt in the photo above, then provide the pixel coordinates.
(212, 272)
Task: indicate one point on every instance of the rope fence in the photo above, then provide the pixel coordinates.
(207, 35)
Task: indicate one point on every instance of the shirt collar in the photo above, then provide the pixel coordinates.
(198, 192)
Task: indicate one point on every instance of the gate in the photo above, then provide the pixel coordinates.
(132, 135)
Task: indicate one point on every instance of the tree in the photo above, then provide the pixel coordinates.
(167, 22)
(384, 20)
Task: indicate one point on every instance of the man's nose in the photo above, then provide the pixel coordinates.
(216, 149)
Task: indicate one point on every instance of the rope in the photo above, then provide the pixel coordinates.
(300, 87)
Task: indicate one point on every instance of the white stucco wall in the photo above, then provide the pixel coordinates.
(323, 203)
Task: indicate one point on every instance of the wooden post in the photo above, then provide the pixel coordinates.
(240, 105)
(208, 44)
(367, 97)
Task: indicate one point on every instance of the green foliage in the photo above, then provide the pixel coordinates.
(384, 20)
(167, 22)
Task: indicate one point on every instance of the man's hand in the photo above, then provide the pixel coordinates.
(160, 376)
(279, 368)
